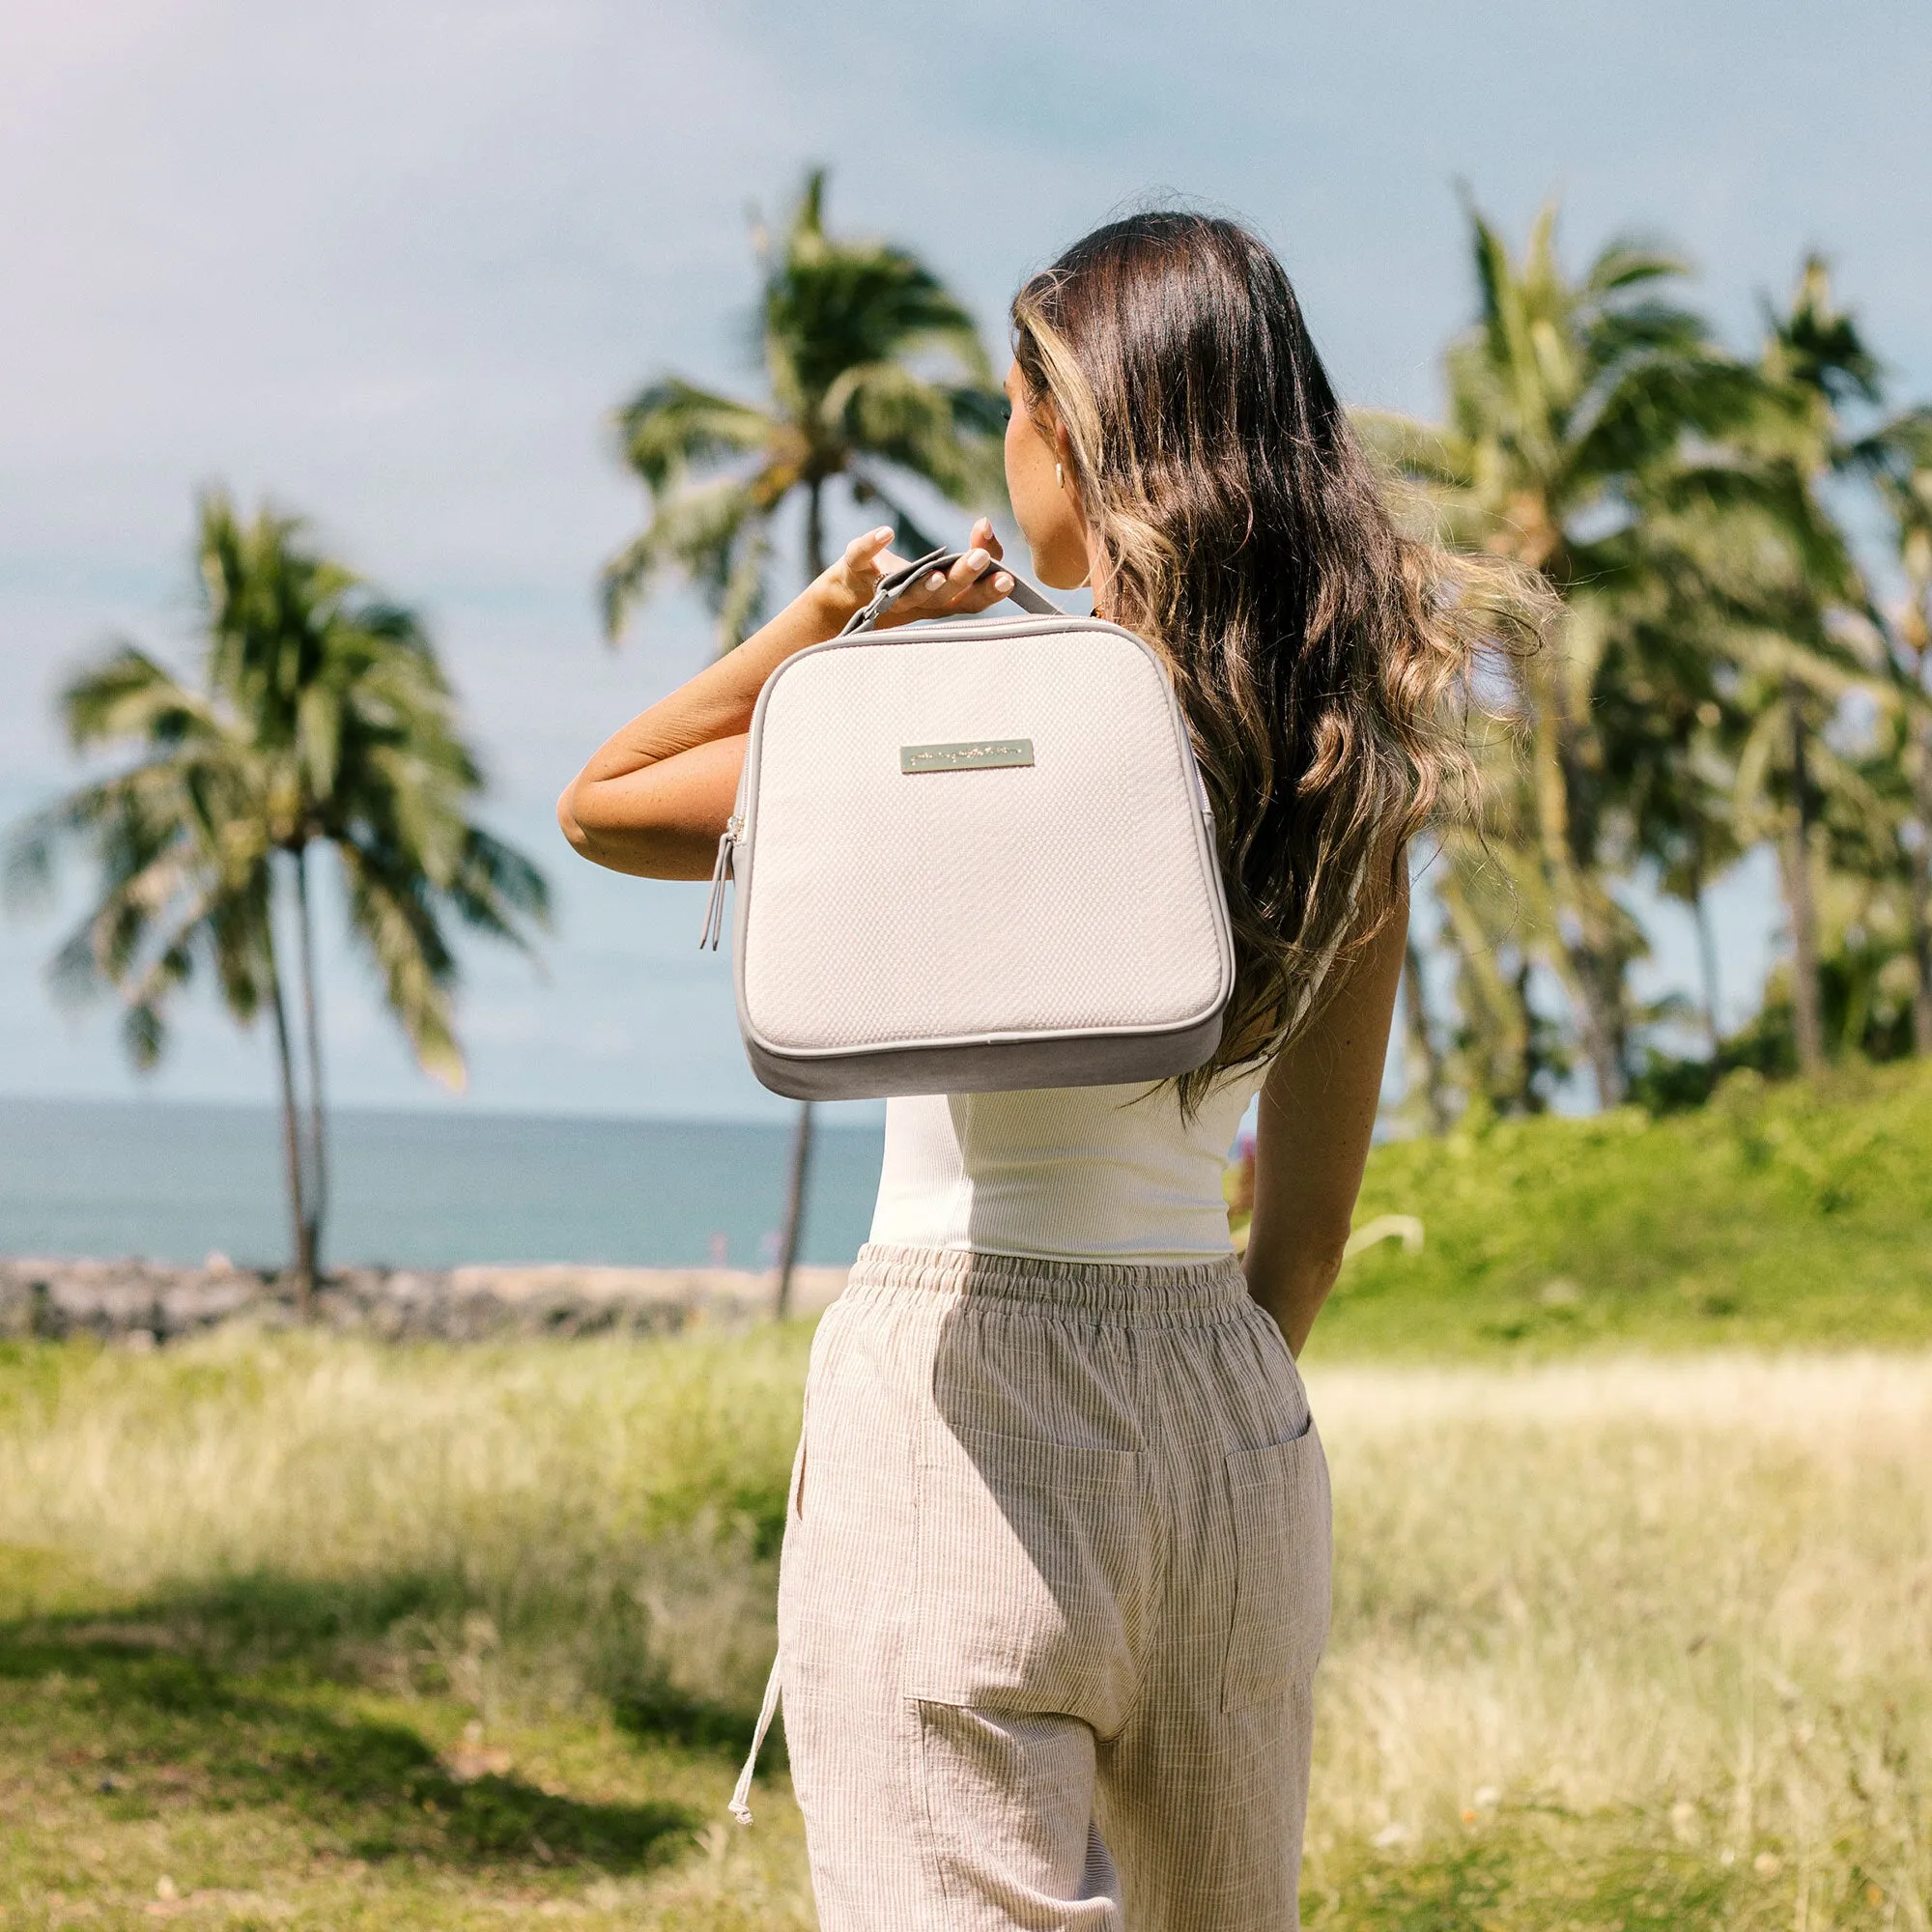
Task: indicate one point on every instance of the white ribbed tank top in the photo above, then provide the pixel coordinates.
(1070, 1173)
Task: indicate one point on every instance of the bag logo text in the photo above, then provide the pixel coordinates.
(976, 755)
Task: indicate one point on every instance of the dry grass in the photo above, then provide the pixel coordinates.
(1635, 1623)
(1620, 1644)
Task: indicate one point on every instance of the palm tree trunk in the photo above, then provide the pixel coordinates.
(1527, 1101)
(814, 533)
(1920, 892)
(1584, 947)
(1795, 849)
(317, 1138)
(1919, 861)
(1491, 1022)
(800, 1141)
(1422, 1038)
(801, 1174)
(305, 1254)
(1707, 958)
(1922, 960)
(1915, 853)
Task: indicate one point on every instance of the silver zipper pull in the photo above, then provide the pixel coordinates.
(713, 928)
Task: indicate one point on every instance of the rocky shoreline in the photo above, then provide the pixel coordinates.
(146, 1304)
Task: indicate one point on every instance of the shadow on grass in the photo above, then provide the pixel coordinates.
(659, 1712)
(149, 1723)
(283, 1620)
(322, 1629)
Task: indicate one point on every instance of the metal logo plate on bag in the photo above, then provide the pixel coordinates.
(976, 755)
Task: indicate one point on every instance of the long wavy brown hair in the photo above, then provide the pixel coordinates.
(1323, 658)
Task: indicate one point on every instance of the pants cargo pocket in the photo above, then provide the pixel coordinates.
(1281, 1512)
(1032, 1561)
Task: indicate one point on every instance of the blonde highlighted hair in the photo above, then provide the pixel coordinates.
(1322, 657)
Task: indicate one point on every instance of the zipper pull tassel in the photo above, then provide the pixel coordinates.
(713, 928)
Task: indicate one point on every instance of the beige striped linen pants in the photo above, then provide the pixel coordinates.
(1056, 1577)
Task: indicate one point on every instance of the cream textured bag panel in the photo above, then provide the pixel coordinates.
(1073, 893)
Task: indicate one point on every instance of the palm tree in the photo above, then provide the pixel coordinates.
(1572, 408)
(1818, 362)
(1806, 619)
(876, 372)
(1495, 899)
(1901, 457)
(1670, 728)
(322, 719)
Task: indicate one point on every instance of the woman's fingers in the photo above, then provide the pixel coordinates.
(996, 587)
(869, 550)
(989, 588)
(974, 582)
(978, 579)
(965, 573)
(866, 560)
(966, 587)
(991, 583)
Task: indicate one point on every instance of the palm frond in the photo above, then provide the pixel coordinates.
(896, 416)
(704, 530)
(673, 427)
(1899, 451)
(1629, 261)
(498, 890)
(129, 695)
(740, 600)
(830, 304)
(1612, 336)
(1818, 346)
(1656, 406)
(908, 534)
(391, 913)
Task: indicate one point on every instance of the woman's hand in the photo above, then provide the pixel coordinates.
(970, 585)
(653, 799)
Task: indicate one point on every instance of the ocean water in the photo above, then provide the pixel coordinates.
(172, 1182)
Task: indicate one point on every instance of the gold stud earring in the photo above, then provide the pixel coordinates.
(1059, 477)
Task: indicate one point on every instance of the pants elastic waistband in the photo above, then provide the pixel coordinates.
(1133, 1291)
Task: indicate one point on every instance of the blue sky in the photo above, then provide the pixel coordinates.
(396, 263)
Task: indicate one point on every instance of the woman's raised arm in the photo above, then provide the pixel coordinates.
(655, 796)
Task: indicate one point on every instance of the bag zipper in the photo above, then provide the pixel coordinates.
(714, 907)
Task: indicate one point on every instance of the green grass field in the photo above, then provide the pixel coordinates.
(1776, 1217)
(1630, 1635)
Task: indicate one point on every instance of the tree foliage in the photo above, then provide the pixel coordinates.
(321, 717)
(874, 371)
(1724, 675)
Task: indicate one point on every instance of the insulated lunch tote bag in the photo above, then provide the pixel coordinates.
(971, 854)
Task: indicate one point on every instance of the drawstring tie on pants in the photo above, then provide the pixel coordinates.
(741, 1793)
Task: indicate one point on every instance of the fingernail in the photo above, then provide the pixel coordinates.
(1003, 581)
(880, 534)
(978, 559)
(937, 578)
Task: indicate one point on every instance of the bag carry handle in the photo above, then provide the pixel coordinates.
(909, 574)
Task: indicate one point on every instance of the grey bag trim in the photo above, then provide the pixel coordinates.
(894, 587)
(1107, 1058)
